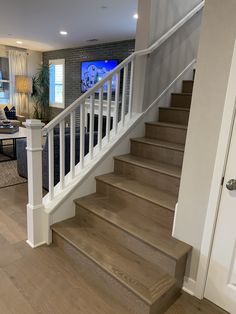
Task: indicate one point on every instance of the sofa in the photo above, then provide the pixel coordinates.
(8, 113)
(22, 155)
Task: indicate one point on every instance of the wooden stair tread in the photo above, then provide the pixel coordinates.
(86, 285)
(168, 169)
(140, 226)
(143, 278)
(140, 189)
(168, 125)
(160, 143)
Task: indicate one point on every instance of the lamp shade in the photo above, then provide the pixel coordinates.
(23, 84)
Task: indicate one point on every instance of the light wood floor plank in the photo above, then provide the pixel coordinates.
(44, 281)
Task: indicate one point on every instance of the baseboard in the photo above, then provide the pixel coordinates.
(189, 286)
(35, 246)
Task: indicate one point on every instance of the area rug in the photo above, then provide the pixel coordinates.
(9, 175)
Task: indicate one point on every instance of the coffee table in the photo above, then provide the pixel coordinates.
(12, 137)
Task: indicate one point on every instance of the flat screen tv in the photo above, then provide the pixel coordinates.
(93, 71)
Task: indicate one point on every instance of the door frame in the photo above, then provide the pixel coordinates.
(229, 114)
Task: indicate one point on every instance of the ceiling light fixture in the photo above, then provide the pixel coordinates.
(19, 42)
(63, 33)
(135, 16)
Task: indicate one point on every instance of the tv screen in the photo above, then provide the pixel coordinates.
(93, 71)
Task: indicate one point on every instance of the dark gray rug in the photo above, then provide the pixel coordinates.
(9, 175)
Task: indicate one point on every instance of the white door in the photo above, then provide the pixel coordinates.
(221, 282)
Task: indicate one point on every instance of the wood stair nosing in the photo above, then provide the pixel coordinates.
(169, 125)
(164, 168)
(159, 143)
(181, 100)
(149, 232)
(159, 175)
(162, 215)
(168, 132)
(158, 150)
(114, 259)
(175, 115)
(187, 86)
(133, 187)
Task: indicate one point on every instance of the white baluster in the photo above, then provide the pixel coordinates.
(72, 144)
(51, 163)
(36, 227)
(124, 95)
(91, 127)
(131, 89)
(108, 117)
(100, 118)
(82, 137)
(117, 99)
(62, 154)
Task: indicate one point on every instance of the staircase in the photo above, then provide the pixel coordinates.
(121, 237)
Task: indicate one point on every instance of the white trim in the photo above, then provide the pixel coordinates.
(39, 149)
(58, 105)
(189, 286)
(35, 246)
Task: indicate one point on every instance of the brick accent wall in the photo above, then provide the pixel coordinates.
(74, 56)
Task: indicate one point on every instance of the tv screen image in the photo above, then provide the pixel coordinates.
(94, 71)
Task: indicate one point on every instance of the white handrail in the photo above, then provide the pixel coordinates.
(95, 88)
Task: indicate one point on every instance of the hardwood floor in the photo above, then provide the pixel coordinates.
(44, 281)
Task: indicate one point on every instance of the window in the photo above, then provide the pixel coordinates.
(4, 81)
(57, 83)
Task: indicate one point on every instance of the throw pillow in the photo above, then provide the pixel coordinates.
(6, 109)
(2, 115)
(11, 114)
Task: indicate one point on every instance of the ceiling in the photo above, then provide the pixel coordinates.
(37, 22)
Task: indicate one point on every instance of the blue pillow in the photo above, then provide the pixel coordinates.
(6, 109)
(10, 114)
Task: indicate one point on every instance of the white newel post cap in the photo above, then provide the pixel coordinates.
(33, 124)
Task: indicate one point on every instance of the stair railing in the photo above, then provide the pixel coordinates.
(111, 97)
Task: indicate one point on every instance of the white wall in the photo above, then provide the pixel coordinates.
(165, 14)
(34, 60)
(156, 17)
(204, 159)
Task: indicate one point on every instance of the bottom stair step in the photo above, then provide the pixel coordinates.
(147, 287)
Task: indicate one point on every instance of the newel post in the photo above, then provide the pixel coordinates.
(36, 219)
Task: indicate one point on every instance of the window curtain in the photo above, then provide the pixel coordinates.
(17, 66)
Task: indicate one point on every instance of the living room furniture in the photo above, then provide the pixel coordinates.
(18, 120)
(22, 155)
(12, 138)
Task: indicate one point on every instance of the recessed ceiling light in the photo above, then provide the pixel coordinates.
(135, 16)
(19, 42)
(63, 33)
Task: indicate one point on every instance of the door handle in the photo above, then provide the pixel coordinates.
(231, 185)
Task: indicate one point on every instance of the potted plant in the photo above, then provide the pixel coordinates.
(40, 93)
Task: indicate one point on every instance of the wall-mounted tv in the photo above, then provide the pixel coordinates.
(93, 71)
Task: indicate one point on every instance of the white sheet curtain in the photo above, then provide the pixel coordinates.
(17, 66)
